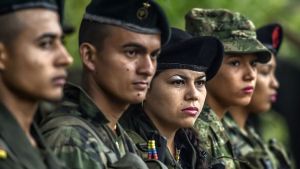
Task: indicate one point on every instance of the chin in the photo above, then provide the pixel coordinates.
(54, 96)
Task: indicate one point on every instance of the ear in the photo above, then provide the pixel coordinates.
(3, 56)
(88, 55)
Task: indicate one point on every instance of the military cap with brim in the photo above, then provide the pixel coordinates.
(7, 6)
(236, 32)
(142, 16)
(271, 36)
(203, 54)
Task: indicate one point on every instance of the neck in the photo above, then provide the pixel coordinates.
(109, 105)
(240, 115)
(165, 130)
(219, 108)
(22, 109)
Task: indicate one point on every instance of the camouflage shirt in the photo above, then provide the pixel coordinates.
(90, 146)
(250, 148)
(16, 152)
(141, 129)
(214, 138)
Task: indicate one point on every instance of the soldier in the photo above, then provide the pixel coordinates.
(119, 44)
(33, 64)
(249, 145)
(234, 82)
(162, 125)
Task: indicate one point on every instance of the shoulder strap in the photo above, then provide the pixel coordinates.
(69, 120)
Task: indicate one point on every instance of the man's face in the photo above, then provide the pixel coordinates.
(35, 64)
(126, 64)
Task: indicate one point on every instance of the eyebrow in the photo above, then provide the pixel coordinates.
(135, 45)
(47, 35)
(140, 47)
(185, 77)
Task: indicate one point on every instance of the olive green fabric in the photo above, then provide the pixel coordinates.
(16, 152)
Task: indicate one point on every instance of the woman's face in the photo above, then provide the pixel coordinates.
(175, 98)
(234, 83)
(265, 91)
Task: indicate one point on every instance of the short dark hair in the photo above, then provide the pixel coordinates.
(93, 32)
(11, 26)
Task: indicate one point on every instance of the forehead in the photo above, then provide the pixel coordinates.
(38, 21)
(122, 36)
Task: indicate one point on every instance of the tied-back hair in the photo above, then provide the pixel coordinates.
(202, 157)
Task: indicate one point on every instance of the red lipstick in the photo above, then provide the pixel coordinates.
(273, 98)
(191, 111)
(248, 90)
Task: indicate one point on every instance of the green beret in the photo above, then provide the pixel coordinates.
(236, 32)
(7, 6)
(142, 16)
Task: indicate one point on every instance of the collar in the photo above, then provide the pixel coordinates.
(23, 151)
(76, 97)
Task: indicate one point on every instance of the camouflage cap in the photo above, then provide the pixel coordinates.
(236, 32)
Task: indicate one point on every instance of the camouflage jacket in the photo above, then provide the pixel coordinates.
(250, 148)
(215, 139)
(78, 133)
(16, 152)
(141, 129)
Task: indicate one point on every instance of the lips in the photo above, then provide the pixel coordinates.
(59, 80)
(141, 85)
(273, 98)
(191, 111)
(248, 90)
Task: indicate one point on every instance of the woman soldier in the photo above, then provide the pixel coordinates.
(249, 145)
(161, 126)
(234, 83)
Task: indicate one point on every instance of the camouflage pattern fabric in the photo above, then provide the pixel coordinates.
(236, 32)
(250, 148)
(76, 145)
(214, 139)
(141, 129)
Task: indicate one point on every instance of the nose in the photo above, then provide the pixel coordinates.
(192, 93)
(64, 58)
(250, 72)
(146, 66)
(274, 82)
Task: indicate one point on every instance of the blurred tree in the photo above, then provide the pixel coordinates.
(260, 12)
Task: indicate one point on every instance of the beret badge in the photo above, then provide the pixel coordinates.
(142, 13)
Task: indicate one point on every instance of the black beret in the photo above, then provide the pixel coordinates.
(271, 36)
(204, 54)
(7, 6)
(142, 16)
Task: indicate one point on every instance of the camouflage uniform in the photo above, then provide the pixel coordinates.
(88, 142)
(141, 129)
(21, 154)
(238, 36)
(249, 147)
(214, 139)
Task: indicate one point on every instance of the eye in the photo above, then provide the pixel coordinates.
(154, 56)
(46, 43)
(200, 83)
(131, 53)
(235, 63)
(177, 81)
(253, 63)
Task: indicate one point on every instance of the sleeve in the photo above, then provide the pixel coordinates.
(76, 148)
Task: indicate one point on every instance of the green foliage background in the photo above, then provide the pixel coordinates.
(260, 12)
